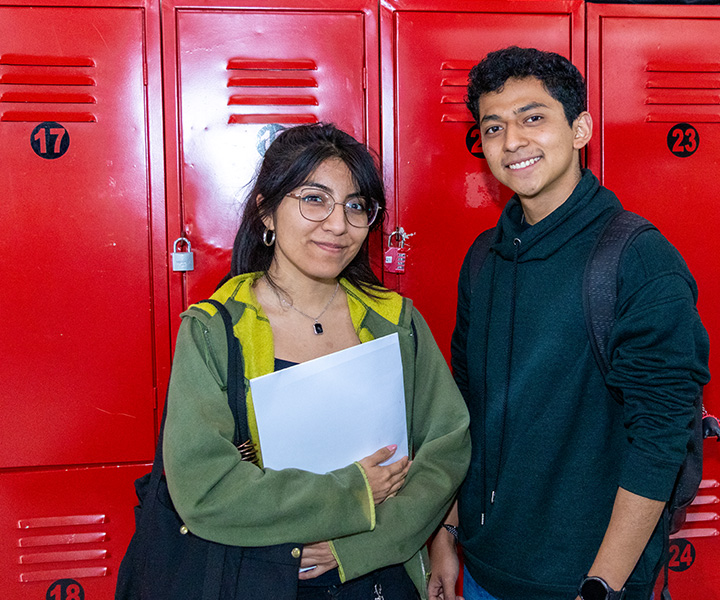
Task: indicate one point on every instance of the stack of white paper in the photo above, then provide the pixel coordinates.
(326, 413)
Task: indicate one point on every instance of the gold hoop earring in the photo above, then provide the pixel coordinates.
(268, 240)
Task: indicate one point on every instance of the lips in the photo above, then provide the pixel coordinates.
(329, 247)
(523, 164)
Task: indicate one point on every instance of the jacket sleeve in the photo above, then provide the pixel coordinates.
(659, 359)
(225, 499)
(442, 443)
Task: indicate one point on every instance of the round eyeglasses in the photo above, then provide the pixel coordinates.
(317, 205)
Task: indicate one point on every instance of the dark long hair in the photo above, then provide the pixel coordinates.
(290, 159)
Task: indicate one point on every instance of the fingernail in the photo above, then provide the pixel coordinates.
(392, 448)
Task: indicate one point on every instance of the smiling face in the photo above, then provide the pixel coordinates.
(529, 145)
(316, 250)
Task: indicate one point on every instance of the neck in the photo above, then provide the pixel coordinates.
(306, 293)
(536, 208)
(536, 212)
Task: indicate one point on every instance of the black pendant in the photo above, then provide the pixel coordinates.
(317, 327)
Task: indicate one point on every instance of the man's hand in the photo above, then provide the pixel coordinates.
(445, 567)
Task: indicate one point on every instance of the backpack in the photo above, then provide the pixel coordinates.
(599, 298)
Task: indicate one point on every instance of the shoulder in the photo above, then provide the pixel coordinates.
(651, 254)
(381, 302)
(652, 262)
(236, 295)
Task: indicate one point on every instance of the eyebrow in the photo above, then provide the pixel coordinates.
(522, 109)
(328, 190)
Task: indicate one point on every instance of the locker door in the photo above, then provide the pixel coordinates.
(443, 190)
(654, 80)
(242, 75)
(79, 319)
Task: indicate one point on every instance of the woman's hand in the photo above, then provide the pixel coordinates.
(318, 558)
(385, 481)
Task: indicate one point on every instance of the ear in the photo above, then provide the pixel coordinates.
(582, 130)
(267, 220)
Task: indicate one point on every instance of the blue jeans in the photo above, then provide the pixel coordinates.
(472, 591)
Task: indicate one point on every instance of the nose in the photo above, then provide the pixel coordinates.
(514, 137)
(336, 221)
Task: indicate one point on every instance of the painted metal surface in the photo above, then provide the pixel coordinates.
(654, 82)
(442, 189)
(243, 75)
(84, 295)
(90, 301)
(79, 244)
(65, 527)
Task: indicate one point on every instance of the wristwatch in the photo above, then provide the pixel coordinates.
(596, 588)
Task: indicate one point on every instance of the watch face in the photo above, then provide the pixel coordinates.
(593, 589)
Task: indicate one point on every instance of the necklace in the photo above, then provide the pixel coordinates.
(317, 325)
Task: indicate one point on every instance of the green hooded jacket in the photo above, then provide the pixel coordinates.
(227, 500)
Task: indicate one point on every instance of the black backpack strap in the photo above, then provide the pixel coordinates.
(235, 374)
(216, 552)
(478, 253)
(600, 283)
(236, 387)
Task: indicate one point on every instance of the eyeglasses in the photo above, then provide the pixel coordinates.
(317, 205)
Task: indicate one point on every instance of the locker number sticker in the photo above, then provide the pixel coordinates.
(65, 589)
(682, 554)
(473, 142)
(50, 140)
(683, 139)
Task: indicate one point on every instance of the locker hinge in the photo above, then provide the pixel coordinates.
(365, 78)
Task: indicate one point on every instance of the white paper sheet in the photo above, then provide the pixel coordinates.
(326, 413)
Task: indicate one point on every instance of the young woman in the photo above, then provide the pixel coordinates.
(301, 288)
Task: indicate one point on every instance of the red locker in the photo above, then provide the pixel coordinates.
(85, 325)
(240, 75)
(442, 191)
(654, 82)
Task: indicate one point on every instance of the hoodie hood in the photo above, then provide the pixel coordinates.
(587, 201)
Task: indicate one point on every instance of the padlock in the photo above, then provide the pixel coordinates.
(395, 255)
(182, 261)
(394, 260)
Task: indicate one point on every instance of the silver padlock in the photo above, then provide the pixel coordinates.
(182, 261)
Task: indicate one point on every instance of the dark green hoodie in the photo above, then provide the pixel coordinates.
(550, 445)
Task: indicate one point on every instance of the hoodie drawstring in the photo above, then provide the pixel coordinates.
(511, 334)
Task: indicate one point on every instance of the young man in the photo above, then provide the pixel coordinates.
(565, 483)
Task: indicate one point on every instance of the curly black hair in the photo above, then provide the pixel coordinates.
(560, 77)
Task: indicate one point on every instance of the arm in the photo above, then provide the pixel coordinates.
(659, 361)
(444, 560)
(441, 439)
(462, 320)
(225, 499)
(632, 522)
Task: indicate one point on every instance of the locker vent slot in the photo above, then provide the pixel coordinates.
(453, 84)
(50, 547)
(269, 84)
(703, 518)
(689, 91)
(47, 98)
(55, 61)
(36, 81)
